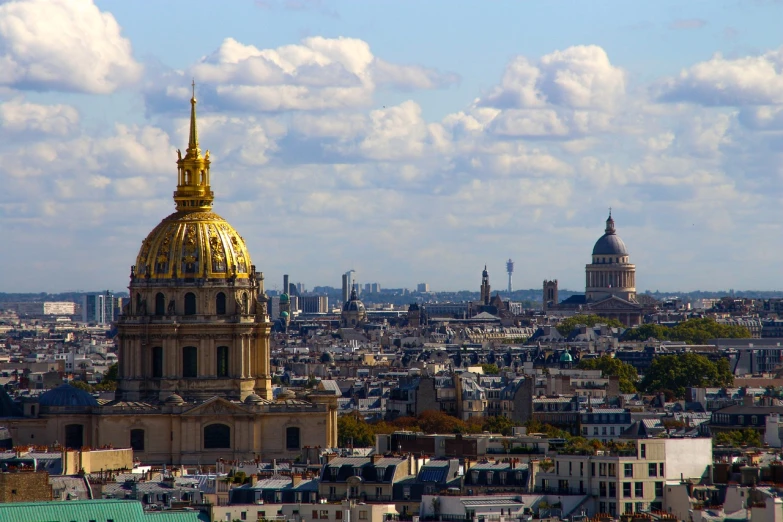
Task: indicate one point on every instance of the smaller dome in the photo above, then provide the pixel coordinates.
(253, 399)
(284, 298)
(565, 357)
(610, 243)
(284, 314)
(174, 399)
(67, 395)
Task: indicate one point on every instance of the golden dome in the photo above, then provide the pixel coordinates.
(193, 245)
(193, 242)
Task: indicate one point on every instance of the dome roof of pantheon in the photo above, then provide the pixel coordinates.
(193, 241)
(610, 243)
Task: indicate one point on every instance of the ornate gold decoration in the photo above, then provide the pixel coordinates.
(193, 240)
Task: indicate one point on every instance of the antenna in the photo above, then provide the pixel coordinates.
(510, 270)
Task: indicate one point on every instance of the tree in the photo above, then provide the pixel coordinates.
(352, 429)
(692, 331)
(611, 367)
(737, 438)
(490, 369)
(434, 421)
(569, 323)
(81, 385)
(499, 424)
(112, 373)
(677, 372)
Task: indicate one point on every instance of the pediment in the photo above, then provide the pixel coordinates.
(215, 406)
(614, 303)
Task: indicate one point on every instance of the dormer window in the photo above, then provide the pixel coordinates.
(502, 476)
(357, 471)
(380, 472)
(334, 470)
(490, 476)
(474, 475)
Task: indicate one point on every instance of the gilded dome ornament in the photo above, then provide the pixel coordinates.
(193, 240)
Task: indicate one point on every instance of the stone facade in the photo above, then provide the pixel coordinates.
(194, 373)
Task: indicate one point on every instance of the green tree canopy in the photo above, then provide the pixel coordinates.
(677, 372)
(567, 325)
(353, 429)
(490, 369)
(692, 331)
(738, 438)
(610, 366)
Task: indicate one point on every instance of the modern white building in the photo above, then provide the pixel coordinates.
(632, 481)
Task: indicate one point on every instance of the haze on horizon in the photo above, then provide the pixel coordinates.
(411, 141)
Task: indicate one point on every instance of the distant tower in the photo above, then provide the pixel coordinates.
(550, 294)
(510, 270)
(346, 292)
(485, 286)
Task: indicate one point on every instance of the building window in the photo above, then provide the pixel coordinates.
(74, 436)
(628, 507)
(659, 489)
(222, 361)
(315, 514)
(362, 515)
(189, 361)
(245, 303)
(157, 362)
(602, 489)
(643, 450)
(628, 470)
(613, 508)
(626, 490)
(595, 430)
(220, 303)
(638, 489)
(292, 441)
(602, 469)
(324, 514)
(190, 303)
(137, 440)
(611, 430)
(740, 419)
(613, 489)
(639, 507)
(584, 431)
(217, 436)
(338, 515)
(660, 470)
(160, 304)
(652, 468)
(612, 469)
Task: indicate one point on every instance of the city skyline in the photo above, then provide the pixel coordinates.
(336, 145)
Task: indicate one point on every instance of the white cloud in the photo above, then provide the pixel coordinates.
(750, 80)
(63, 45)
(579, 77)
(19, 117)
(315, 75)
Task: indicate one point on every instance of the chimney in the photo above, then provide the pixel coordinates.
(253, 479)
(296, 478)
(330, 457)
(375, 457)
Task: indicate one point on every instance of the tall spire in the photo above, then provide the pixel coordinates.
(193, 150)
(193, 190)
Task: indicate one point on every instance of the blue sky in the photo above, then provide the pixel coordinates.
(411, 141)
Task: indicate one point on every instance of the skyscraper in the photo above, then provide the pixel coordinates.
(98, 308)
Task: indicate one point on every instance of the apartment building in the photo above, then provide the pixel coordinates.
(626, 481)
